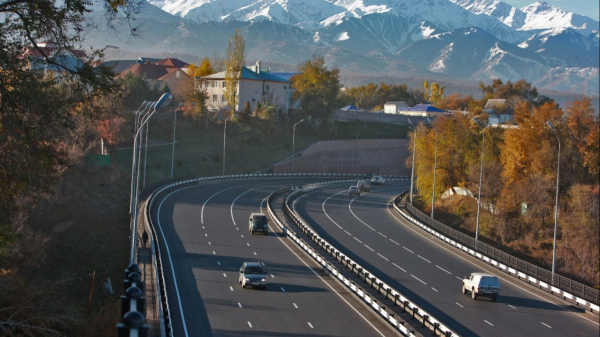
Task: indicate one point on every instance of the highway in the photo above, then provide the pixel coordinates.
(429, 272)
(204, 239)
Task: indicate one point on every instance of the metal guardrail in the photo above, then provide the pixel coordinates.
(426, 319)
(572, 291)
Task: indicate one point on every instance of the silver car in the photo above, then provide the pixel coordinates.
(253, 275)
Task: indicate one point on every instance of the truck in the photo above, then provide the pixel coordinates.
(481, 284)
(364, 186)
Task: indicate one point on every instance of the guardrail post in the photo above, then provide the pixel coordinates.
(405, 305)
(366, 276)
(425, 318)
(436, 326)
(396, 297)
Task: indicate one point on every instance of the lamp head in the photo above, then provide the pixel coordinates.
(551, 126)
(164, 100)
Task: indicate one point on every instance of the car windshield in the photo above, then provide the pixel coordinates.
(488, 280)
(261, 220)
(253, 270)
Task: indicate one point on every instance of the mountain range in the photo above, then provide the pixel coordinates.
(466, 40)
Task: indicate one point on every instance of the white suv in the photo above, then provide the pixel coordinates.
(481, 284)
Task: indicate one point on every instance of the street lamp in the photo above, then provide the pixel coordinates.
(174, 124)
(138, 114)
(294, 143)
(149, 106)
(412, 174)
(556, 204)
(434, 168)
(480, 177)
(225, 133)
(164, 100)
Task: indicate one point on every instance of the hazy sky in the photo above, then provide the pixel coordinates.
(588, 8)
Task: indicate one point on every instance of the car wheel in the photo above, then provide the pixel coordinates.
(464, 290)
(494, 298)
(473, 294)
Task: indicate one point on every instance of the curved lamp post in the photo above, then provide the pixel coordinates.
(164, 100)
(294, 143)
(412, 173)
(149, 106)
(174, 124)
(480, 177)
(556, 204)
(224, 134)
(434, 168)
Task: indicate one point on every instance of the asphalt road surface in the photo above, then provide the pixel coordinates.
(429, 272)
(204, 239)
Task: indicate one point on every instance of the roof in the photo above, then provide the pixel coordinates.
(50, 51)
(423, 107)
(349, 108)
(494, 103)
(172, 62)
(253, 264)
(170, 71)
(148, 70)
(63, 61)
(396, 102)
(248, 74)
(286, 76)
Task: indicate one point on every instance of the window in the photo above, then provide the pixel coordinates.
(214, 84)
(224, 84)
(215, 97)
(178, 74)
(285, 87)
(267, 88)
(223, 98)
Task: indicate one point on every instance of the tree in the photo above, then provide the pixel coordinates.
(434, 93)
(317, 89)
(584, 131)
(204, 69)
(110, 131)
(233, 67)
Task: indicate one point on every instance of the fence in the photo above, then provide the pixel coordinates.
(543, 276)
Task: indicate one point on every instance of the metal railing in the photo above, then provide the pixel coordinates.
(573, 291)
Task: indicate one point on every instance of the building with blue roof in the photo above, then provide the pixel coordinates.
(422, 110)
(254, 86)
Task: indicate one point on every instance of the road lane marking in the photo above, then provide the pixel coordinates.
(380, 233)
(435, 289)
(240, 304)
(488, 322)
(248, 244)
(224, 275)
(323, 208)
(237, 228)
(547, 325)
(357, 239)
(395, 242)
(209, 243)
(214, 253)
(230, 287)
(357, 218)
(295, 306)
(399, 267)
(233, 203)
(249, 324)
(254, 253)
(424, 258)
(202, 227)
(491, 270)
(205, 234)
(207, 200)
(459, 278)
(443, 269)
(408, 249)
(370, 248)
(418, 279)
(383, 257)
(219, 263)
(347, 232)
(282, 289)
(460, 305)
(512, 307)
(310, 325)
(272, 276)
(261, 204)
(242, 235)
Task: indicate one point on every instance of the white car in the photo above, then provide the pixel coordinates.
(481, 284)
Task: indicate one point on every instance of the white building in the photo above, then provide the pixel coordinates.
(393, 107)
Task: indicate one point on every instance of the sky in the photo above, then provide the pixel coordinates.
(588, 8)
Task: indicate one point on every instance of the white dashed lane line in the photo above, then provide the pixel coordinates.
(488, 322)
(460, 305)
(424, 258)
(254, 253)
(248, 244)
(310, 325)
(347, 232)
(209, 243)
(205, 234)
(416, 278)
(383, 257)
(214, 253)
(224, 275)
(282, 289)
(397, 266)
(240, 304)
(231, 288)
(357, 239)
(382, 234)
(272, 276)
(219, 263)
(295, 306)
(443, 269)
(458, 278)
(547, 325)
(370, 248)
(249, 324)
(395, 242)
(435, 290)
(408, 249)
(512, 307)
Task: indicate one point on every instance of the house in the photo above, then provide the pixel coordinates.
(422, 110)
(350, 108)
(393, 107)
(497, 112)
(168, 71)
(253, 87)
(63, 60)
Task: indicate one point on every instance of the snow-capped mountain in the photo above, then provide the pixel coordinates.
(469, 39)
